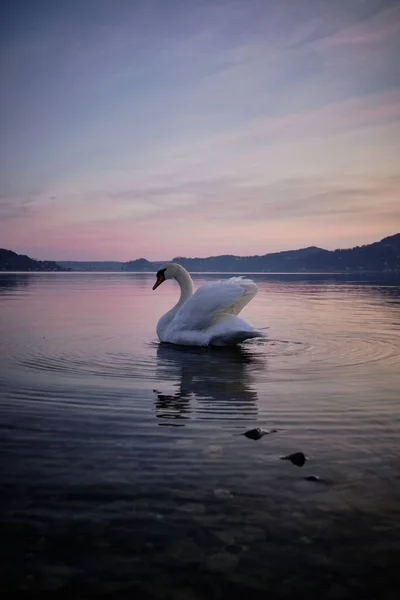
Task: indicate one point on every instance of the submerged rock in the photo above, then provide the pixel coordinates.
(305, 540)
(251, 533)
(227, 536)
(222, 562)
(186, 551)
(193, 508)
(257, 434)
(186, 594)
(297, 458)
(223, 494)
(54, 577)
(318, 479)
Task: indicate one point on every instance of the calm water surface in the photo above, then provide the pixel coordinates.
(124, 472)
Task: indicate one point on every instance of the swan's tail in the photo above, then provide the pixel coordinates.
(232, 338)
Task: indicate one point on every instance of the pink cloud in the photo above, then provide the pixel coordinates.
(348, 114)
(374, 30)
(237, 217)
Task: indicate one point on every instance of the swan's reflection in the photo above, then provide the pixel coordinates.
(207, 383)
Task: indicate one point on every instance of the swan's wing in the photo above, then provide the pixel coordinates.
(212, 300)
(249, 290)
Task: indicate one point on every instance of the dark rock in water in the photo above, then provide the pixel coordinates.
(223, 494)
(318, 479)
(297, 458)
(222, 562)
(186, 551)
(255, 434)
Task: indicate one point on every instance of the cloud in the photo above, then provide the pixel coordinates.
(293, 199)
(201, 124)
(376, 29)
(16, 208)
(354, 113)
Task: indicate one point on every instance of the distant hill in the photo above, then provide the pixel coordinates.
(142, 264)
(377, 257)
(382, 256)
(91, 265)
(11, 261)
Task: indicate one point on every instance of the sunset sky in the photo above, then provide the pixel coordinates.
(159, 128)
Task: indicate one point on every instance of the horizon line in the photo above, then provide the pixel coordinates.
(210, 256)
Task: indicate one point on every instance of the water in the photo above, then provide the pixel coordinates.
(124, 472)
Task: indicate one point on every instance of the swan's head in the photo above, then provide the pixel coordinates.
(168, 271)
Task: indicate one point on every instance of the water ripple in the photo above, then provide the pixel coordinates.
(111, 364)
(339, 350)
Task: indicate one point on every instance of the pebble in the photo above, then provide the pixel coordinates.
(252, 532)
(297, 458)
(251, 584)
(227, 537)
(186, 594)
(55, 576)
(186, 551)
(222, 562)
(109, 588)
(305, 540)
(193, 508)
(223, 494)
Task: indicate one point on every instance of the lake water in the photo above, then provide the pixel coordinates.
(124, 472)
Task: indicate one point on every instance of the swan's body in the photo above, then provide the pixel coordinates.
(207, 317)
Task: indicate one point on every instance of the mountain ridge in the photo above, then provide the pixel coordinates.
(383, 255)
(380, 256)
(11, 261)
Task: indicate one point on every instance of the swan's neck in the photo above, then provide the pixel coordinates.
(186, 285)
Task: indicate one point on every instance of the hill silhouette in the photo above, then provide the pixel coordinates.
(379, 256)
(382, 256)
(11, 261)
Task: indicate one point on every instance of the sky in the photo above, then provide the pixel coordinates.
(154, 128)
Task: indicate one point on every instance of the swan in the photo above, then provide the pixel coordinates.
(207, 317)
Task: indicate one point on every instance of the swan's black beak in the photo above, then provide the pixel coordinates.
(159, 281)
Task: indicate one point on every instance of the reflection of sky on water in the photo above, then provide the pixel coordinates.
(90, 470)
(107, 322)
(10, 281)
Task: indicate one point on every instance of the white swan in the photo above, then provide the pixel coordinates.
(207, 317)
